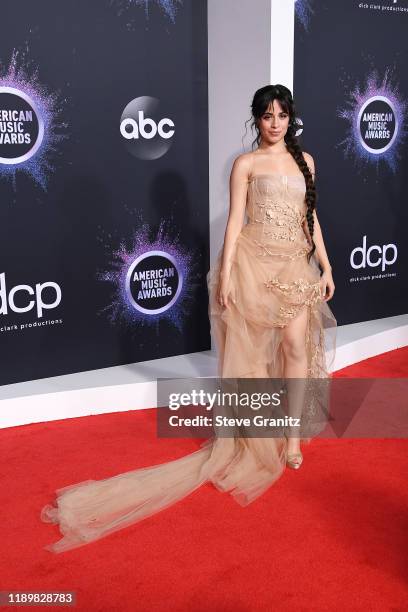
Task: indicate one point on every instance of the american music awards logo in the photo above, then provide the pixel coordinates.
(153, 282)
(153, 279)
(169, 8)
(376, 117)
(30, 126)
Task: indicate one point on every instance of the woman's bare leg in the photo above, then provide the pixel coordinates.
(294, 350)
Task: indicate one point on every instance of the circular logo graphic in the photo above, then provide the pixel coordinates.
(377, 124)
(153, 282)
(147, 134)
(299, 126)
(21, 126)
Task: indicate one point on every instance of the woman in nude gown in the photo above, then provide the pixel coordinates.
(270, 320)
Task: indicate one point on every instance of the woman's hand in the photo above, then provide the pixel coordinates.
(224, 295)
(327, 285)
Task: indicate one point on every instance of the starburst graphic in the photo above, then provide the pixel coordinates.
(121, 310)
(20, 77)
(168, 7)
(304, 11)
(383, 92)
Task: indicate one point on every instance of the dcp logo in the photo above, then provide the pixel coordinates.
(374, 256)
(23, 298)
(146, 132)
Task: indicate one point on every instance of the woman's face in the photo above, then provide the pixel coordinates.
(273, 124)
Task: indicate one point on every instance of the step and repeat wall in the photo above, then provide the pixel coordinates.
(351, 93)
(104, 230)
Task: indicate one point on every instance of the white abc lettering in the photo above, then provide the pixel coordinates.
(162, 133)
(147, 122)
(387, 255)
(140, 129)
(41, 305)
(129, 134)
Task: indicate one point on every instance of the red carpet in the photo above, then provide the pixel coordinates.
(333, 536)
(393, 364)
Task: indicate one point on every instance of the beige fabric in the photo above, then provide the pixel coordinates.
(271, 282)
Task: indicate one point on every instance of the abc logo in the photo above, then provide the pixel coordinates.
(144, 130)
(374, 256)
(18, 298)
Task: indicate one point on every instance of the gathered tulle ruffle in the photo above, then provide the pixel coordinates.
(92, 509)
(266, 294)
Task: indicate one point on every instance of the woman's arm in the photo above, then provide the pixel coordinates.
(327, 278)
(238, 193)
(238, 187)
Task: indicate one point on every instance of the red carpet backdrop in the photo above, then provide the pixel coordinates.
(332, 536)
(351, 90)
(104, 229)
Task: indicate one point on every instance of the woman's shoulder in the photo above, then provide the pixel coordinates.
(307, 156)
(309, 160)
(243, 163)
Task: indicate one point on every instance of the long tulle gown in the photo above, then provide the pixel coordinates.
(271, 282)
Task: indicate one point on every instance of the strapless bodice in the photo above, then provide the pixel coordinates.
(276, 210)
(265, 190)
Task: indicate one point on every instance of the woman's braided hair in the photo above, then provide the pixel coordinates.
(262, 99)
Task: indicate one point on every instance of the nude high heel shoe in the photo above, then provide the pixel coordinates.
(294, 460)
